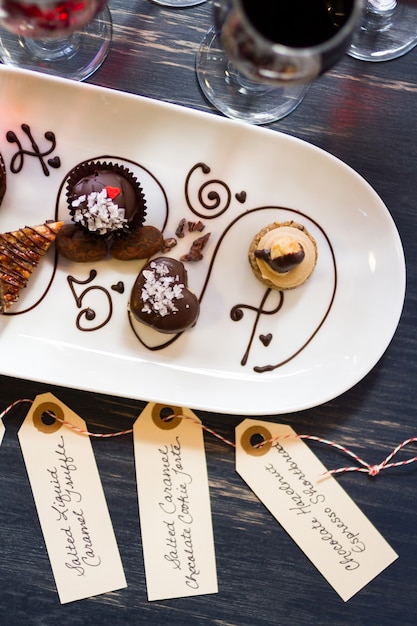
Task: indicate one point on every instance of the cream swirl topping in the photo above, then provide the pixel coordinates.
(293, 252)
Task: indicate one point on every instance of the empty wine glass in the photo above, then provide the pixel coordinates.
(388, 30)
(65, 38)
(257, 61)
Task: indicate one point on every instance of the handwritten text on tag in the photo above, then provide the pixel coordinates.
(174, 505)
(70, 502)
(317, 513)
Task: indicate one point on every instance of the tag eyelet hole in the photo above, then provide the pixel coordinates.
(166, 414)
(256, 440)
(166, 417)
(254, 436)
(46, 416)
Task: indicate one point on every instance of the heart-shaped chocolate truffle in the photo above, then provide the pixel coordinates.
(161, 299)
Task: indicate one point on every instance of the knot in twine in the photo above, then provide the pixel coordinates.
(374, 470)
(371, 470)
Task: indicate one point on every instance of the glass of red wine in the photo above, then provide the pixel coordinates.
(258, 60)
(388, 30)
(67, 38)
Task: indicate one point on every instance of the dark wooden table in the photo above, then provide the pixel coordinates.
(365, 114)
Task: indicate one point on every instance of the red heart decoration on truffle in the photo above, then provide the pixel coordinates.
(112, 192)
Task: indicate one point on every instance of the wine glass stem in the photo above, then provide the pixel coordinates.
(381, 6)
(242, 83)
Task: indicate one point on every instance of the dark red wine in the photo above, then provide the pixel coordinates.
(297, 23)
(47, 18)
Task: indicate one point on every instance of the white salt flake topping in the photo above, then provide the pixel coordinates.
(160, 291)
(98, 212)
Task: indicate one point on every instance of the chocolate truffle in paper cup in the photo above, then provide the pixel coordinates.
(105, 198)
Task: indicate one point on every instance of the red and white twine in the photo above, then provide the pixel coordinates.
(372, 470)
(363, 466)
(81, 431)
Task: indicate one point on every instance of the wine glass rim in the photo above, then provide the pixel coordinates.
(353, 18)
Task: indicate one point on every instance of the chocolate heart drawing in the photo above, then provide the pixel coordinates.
(119, 287)
(266, 339)
(54, 162)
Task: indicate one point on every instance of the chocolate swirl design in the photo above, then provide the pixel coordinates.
(214, 196)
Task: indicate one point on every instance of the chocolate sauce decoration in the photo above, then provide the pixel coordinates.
(210, 199)
(3, 178)
(213, 196)
(155, 348)
(266, 339)
(17, 160)
(55, 162)
(119, 287)
(236, 315)
(37, 302)
(88, 313)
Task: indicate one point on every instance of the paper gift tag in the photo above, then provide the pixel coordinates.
(70, 502)
(174, 504)
(317, 513)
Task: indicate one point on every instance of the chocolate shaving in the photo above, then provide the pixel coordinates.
(181, 228)
(199, 226)
(197, 246)
(192, 226)
(168, 244)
